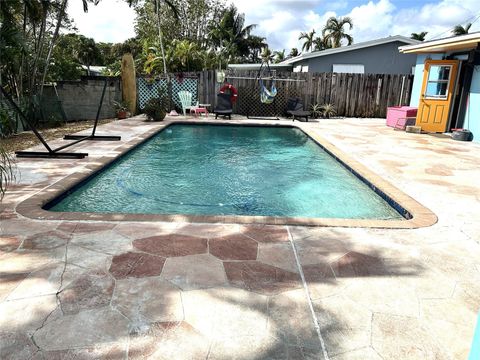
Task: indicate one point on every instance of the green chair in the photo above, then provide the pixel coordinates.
(186, 101)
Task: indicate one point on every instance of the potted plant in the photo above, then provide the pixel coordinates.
(121, 108)
(156, 108)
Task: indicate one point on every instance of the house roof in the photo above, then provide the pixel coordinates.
(280, 66)
(353, 47)
(453, 43)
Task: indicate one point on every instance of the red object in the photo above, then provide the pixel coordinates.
(396, 112)
(199, 110)
(233, 91)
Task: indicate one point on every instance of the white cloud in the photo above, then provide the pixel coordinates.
(109, 21)
(281, 21)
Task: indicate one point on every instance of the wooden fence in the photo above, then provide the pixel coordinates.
(353, 95)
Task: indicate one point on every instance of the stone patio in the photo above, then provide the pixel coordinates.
(176, 290)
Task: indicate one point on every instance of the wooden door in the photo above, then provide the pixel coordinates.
(437, 95)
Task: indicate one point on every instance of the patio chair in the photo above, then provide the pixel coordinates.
(224, 106)
(186, 101)
(295, 109)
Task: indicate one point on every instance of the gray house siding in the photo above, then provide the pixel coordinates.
(379, 59)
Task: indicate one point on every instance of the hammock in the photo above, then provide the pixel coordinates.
(267, 96)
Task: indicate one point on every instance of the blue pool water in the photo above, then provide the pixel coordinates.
(230, 170)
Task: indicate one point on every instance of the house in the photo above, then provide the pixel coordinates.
(378, 56)
(446, 86)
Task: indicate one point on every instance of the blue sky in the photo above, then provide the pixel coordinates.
(282, 21)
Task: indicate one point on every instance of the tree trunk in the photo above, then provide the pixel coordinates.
(61, 14)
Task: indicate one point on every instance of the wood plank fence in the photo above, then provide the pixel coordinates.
(353, 95)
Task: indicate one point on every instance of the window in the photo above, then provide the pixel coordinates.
(437, 83)
(349, 68)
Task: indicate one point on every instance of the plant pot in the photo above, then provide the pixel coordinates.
(121, 115)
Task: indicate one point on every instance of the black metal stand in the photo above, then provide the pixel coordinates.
(93, 136)
(55, 153)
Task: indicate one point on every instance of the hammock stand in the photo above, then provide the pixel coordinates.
(55, 153)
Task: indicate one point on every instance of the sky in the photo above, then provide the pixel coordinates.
(281, 21)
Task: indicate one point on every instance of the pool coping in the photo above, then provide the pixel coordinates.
(421, 216)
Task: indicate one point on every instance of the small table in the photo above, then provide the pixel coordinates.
(205, 105)
(199, 110)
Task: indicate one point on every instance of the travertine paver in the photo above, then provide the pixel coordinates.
(93, 289)
(194, 272)
(168, 340)
(172, 245)
(261, 278)
(84, 329)
(234, 247)
(132, 264)
(147, 300)
(175, 290)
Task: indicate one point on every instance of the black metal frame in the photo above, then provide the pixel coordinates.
(55, 153)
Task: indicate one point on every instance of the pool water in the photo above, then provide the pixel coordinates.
(230, 170)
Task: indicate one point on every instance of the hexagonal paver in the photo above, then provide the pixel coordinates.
(137, 265)
(220, 313)
(344, 324)
(356, 264)
(234, 247)
(45, 241)
(87, 328)
(91, 290)
(261, 278)
(279, 255)
(194, 272)
(398, 337)
(172, 245)
(148, 300)
(16, 345)
(108, 242)
(168, 340)
(266, 233)
(9, 243)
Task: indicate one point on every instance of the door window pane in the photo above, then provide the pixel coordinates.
(438, 79)
(437, 89)
(438, 73)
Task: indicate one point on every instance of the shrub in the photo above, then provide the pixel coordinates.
(156, 108)
(328, 110)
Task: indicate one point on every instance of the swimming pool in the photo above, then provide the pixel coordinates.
(228, 170)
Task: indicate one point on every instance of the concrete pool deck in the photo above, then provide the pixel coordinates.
(164, 290)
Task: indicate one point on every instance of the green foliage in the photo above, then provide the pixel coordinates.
(121, 105)
(328, 110)
(461, 30)
(7, 126)
(333, 32)
(309, 38)
(156, 108)
(316, 110)
(419, 36)
(7, 170)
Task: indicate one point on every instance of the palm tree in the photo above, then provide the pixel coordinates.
(419, 36)
(460, 30)
(279, 56)
(320, 43)
(309, 39)
(334, 33)
(294, 52)
(232, 31)
(267, 55)
(255, 45)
